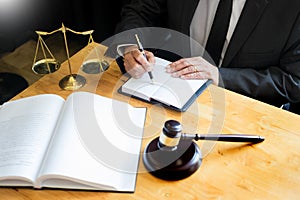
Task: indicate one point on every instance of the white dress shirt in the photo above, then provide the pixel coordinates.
(203, 19)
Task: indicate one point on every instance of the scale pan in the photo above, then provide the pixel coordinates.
(45, 66)
(94, 66)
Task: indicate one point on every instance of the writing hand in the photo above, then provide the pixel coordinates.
(136, 64)
(194, 68)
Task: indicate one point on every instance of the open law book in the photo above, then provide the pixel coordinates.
(175, 93)
(84, 142)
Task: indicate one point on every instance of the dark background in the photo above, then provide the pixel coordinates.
(47, 15)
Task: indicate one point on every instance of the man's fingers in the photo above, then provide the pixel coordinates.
(150, 57)
(178, 65)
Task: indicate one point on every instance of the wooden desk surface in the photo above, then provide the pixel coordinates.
(269, 170)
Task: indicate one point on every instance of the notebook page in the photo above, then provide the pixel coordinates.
(174, 91)
(143, 87)
(177, 92)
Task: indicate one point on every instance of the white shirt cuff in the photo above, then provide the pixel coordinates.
(124, 48)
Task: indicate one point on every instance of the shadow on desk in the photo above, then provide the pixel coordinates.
(295, 108)
(10, 85)
(292, 107)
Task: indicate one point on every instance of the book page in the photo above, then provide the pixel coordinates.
(97, 143)
(26, 127)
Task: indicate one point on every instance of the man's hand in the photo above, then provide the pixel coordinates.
(136, 64)
(194, 68)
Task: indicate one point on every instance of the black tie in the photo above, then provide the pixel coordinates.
(218, 32)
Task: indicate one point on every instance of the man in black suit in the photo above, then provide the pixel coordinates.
(262, 53)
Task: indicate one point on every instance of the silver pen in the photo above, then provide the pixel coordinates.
(143, 52)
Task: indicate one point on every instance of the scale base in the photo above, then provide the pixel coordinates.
(172, 165)
(72, 82)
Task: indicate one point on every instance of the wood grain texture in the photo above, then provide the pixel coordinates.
(269, 170)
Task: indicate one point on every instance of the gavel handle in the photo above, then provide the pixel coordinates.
(225, 137)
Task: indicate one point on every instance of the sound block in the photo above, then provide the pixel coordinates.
(172, 165)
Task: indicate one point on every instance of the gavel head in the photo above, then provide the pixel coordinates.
(167, 157)
(170, 135)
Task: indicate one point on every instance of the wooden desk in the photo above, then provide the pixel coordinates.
(269, 170)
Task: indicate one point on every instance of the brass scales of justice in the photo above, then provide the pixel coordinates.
(49, 64)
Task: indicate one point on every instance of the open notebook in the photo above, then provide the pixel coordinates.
(174, 93)
(84, 142)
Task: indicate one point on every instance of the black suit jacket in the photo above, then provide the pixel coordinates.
(263, 57)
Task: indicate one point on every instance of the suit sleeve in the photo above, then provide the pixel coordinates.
(134, 16)
(273, 84)
(141, 13)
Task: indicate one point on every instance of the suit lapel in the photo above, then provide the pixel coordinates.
(248, 20)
